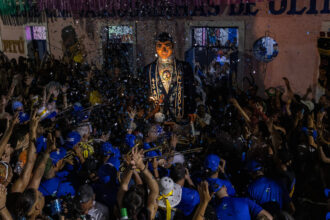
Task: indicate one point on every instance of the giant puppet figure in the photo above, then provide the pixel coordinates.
(170, 82)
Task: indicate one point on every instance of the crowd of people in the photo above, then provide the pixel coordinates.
(77, 142)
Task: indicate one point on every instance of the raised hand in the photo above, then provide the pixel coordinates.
(132, 114)
(89, 76)
(137, 158)
(233, 101)
(203, 190)
(187, 175)
(154, 163)
(15, 119)
(34, 121)
(51, 143)
(4, 100)
(222, 165)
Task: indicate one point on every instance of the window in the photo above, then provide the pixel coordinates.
(118, 47)
(214, 44)
(214, 53)
(36, 38)
(121, 34)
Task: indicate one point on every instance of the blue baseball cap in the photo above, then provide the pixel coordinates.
(73, 138)
(212, 162)
(57, 155)
(41, 144)
(16, 105)
(107, 149)
(77, 107)
(107, 172)
(55, 186)
(130, 140)
(64, 189)
(23, 117)
(215, 184)
(49, 187)
(189, 200)
(254, 166)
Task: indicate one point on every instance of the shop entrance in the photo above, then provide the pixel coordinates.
(36, 40)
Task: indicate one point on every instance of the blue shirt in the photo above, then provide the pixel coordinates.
(115, 159)
(265, 190)
(230, 189)
(189, 200)
(56, 186)
(233, 208)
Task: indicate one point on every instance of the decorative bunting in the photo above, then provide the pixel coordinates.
(101, 5)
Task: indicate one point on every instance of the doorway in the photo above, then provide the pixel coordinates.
(36, 40)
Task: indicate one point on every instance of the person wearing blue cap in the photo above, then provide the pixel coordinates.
(57, 187)
(72, 140)
(190, 197)
(111, 155)
(266, 191)
(55, 183)
(106, 187)
(233, 207)
(71, 145)
(130, 140)
(214, 166)
(17, 106)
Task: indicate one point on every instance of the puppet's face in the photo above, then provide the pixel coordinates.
(164, 49)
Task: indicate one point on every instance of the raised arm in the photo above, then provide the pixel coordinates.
(205, 198)
(40, 169)
(148, 178)
(23, 180)
(308, 91)
(124, 186)
(240, 110)
(12, 87)
(131, 115)
(289, 90)
(5, 138)
(4, 213)
(28, 81)
(323, 157)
